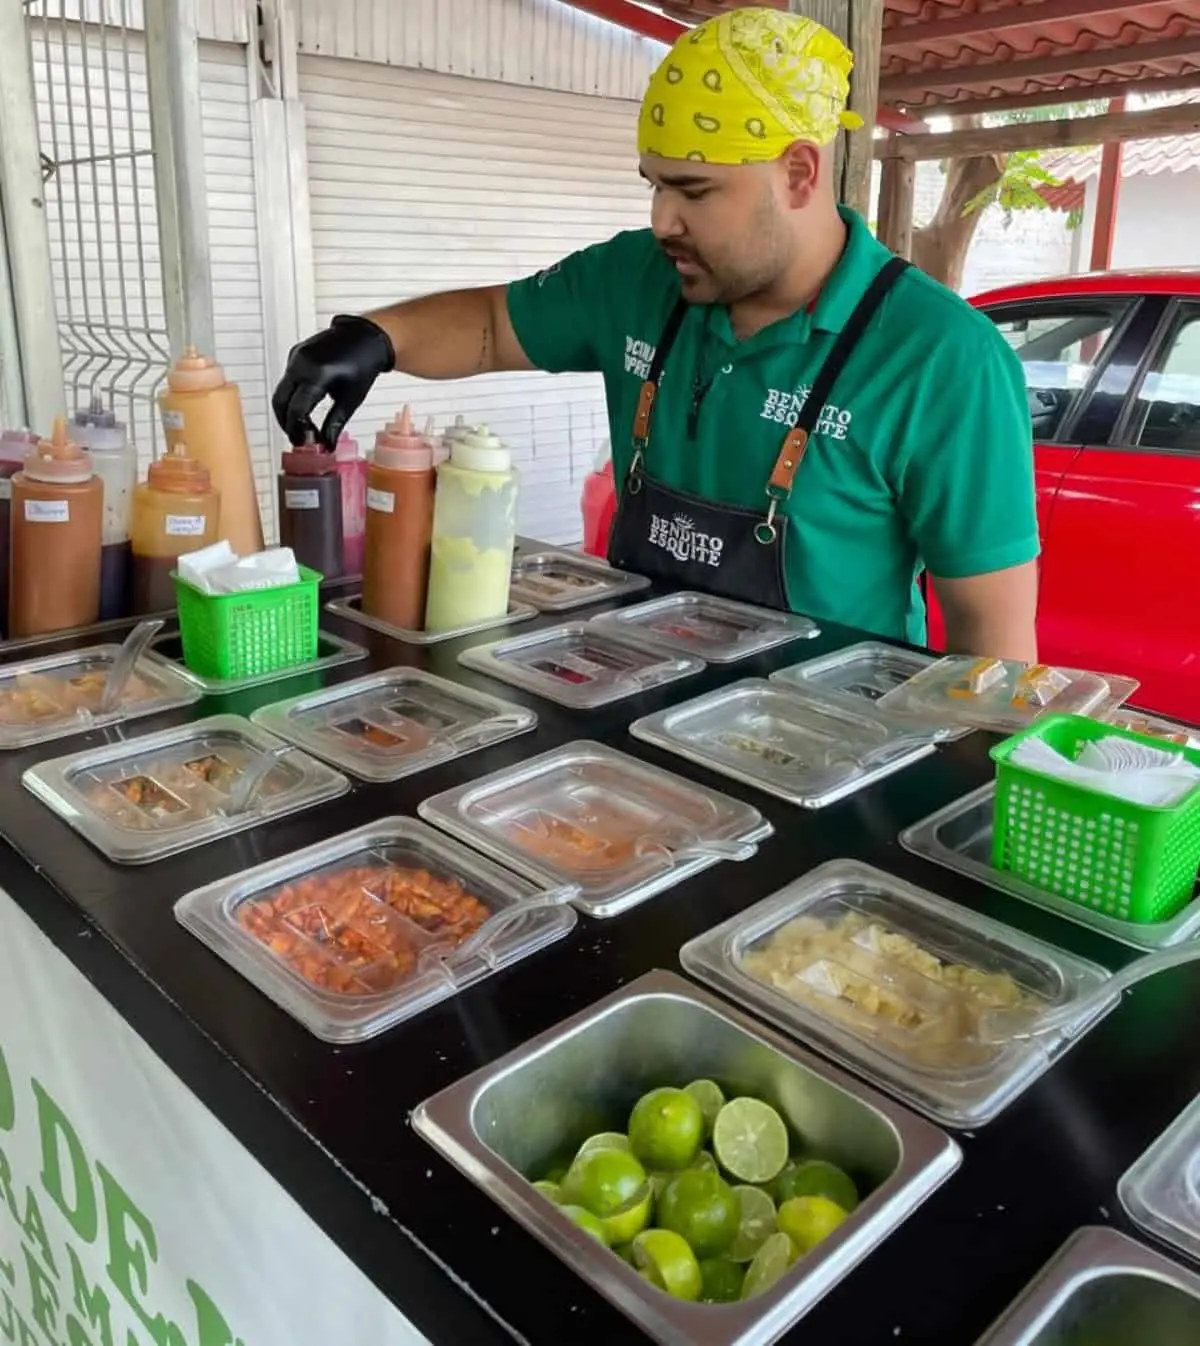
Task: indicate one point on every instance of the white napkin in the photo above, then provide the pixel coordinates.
(219, 570)
(1115, 766)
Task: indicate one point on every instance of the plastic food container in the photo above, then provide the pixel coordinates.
(589, 815)
(59, 694)
(502, 1126)
(579, 665)
(1156, 726)
(1001, 695)
(332, 651)
(394, 724)
(890, 980)
(959, 837)
(1133, 861)
(351, 609)
(359, 933)
(1161, 1192)
(801, 748)
(155, 796)
(715, 629)
(559, 581)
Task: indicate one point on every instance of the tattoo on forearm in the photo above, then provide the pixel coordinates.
(483, 351)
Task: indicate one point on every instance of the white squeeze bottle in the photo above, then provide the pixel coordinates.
(474, 529)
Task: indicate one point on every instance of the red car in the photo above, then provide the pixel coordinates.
(1112, 363)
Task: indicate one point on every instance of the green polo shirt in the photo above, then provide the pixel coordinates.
(921, 458)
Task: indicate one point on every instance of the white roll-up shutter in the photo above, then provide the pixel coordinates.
(423, 182)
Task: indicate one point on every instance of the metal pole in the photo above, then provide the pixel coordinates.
(173, 78)
(29, 278)
(12, 394)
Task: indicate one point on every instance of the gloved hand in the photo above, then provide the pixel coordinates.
(340, 363)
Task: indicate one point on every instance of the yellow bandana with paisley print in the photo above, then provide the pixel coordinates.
(741, 88)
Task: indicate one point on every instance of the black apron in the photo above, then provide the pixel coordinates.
(725, 550)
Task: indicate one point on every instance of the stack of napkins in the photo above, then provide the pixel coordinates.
(1115, 766)
(219, 570)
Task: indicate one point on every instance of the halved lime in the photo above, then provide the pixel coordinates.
(770, 1262)
(816, 1177)
(603, 1180)
(627, 1222)
(708, 1094)
(606, 1140)
(666, 1261)
(721, 1280)
(666, 1128)
(550, 1190)
(586, 1221)
(756, 1223)
(750, 1139)
(807, 1220)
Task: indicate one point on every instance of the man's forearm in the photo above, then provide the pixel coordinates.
(452, 335)
(993, 615)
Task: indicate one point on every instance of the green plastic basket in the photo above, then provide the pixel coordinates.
(1123, 859)
(232, 636)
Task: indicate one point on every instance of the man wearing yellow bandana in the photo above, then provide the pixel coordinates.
(798, 418)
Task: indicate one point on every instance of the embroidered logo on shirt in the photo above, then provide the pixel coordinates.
(783, 407)
(678, 536)
(638, 356)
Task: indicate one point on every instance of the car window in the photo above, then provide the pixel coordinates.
(1059, 344)
(1166, 414)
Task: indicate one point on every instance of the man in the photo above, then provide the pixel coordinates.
(798, 419)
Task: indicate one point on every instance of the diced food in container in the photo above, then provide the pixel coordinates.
(716, 629)
(146, 798)
(1156, 726)
(354, 934)
(589, 815)
(897, 983)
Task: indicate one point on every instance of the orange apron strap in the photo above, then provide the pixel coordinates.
(788, 463)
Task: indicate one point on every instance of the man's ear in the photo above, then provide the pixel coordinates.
(803, 164)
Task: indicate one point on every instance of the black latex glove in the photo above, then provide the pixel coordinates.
(340, 363)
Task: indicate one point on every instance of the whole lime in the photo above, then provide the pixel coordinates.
(815, 1177)
(603, 1180)
(702, 1208)
(721, 1280)
(808, 1220)
(666, 1128)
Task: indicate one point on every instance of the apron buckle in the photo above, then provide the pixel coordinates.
(633, 481)
(766, 532)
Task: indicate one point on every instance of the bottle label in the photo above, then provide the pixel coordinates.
(47, 511)
(185, 525)
(172, 420)
(5, 488)
(301, 500)
(383, 501)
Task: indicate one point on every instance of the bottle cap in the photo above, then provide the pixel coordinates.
(194, 373)
(480, 451)
(397, 446)
(176, 471)
(346, 449)
(15, 444)
(308, 459)
(58, 458)
(97, 429)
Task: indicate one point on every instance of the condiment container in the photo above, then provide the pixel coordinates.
(203, 411)
(56, 526)
(14, 448)
(598, 505)
(718, 630)
(310, 507)
(474, 529)
(352, 473)
(115, 459)
(175, 510)
(400, 491)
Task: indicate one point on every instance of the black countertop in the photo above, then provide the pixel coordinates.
(332, 1123)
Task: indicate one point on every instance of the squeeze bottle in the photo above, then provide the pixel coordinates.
(352, 472)
(175, 510)
(474, 529)
(310, 507)
(57, 513)
(115, 460)
(203, 411)
(400, 487)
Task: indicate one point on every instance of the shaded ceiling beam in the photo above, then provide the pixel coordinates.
(895, 87)
(634, 17)
(1078, 93)
(1179, 119)
(1029, 15)
(896, 119)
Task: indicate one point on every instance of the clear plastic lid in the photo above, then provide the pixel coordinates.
(715, 629)
(358, 933)
(394, 724)
(1161, 1192)
(351, 609)
(589, 815)
(1156, 726)
(578, 665)
(61, 694)
(559, 581)
(1003, 695)
(805, 749)
(892, 981)
(155, 796)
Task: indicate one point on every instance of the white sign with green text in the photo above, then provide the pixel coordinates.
(129, 1216)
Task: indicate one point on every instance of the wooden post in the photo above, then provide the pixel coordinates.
(1104, 229)
(896, 197)
(859, 23)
